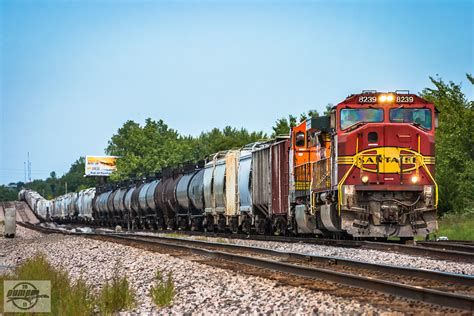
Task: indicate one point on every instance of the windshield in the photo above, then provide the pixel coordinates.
(350, 117)
(417, 116)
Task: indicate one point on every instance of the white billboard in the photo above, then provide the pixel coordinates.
(100, 165)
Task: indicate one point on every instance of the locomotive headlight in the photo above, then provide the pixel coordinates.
(364, 179)
(414, 179)
(383, 98)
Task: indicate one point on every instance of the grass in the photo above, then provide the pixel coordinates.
(456, 227)
(163, 291)
(67, 297)
(73, 297)
(116, 295)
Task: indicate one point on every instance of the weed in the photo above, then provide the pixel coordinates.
(116, 295)
(163, 291)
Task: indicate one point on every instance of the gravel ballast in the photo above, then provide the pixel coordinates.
(200, 288)
(366, 255)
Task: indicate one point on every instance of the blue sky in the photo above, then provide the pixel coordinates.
(72, 72)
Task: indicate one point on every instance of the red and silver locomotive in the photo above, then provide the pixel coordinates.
(367, 170)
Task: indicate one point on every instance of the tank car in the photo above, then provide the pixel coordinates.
(166, 197)
(189, 196)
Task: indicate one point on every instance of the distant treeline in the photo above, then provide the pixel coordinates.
(153, 146)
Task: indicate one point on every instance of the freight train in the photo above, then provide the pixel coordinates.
(365, 170)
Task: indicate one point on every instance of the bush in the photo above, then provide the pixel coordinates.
(116, 295)
(163, 292)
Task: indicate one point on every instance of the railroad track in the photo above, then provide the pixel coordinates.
(443, 289)
(455, 253)
(452, 246)
(452, 251)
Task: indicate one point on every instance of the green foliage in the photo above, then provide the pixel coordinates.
(67, 297)
(457, 227)
(283, 125)
(8, 194)
(216, 140)
(328, 109)
(149, 148)
(454, 146)
(163, 291)
(116, 295)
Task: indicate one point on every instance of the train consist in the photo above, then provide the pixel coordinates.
(365, 170)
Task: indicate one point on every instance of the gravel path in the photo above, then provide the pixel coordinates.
(200, 288)
(372, 256)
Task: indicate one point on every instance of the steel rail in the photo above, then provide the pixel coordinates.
(384, 268)
(458, 301)
(448, 246)
(452, 255)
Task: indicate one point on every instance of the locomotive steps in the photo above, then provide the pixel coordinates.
(362, 280)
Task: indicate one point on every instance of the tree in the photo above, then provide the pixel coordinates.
(8, 194)
(216, 140)
(147, 149)
(454, 146)
(283, 125)
(328, 109)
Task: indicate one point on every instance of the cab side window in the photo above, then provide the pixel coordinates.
(299, 139)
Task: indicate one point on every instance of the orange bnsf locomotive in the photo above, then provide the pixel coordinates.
(367, 170)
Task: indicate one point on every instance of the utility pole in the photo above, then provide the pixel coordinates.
(29, 167)
(65, 185)
(24, 169)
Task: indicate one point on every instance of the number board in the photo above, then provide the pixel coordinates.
(405, 99)
(367, 99)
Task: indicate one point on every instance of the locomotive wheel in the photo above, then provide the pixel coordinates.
(247, 225)
(183, 223)
(209, 223)
(171, 223)
(221, 224)
(196, 224)
(280, 227)
(260, 226)
(234, 225)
